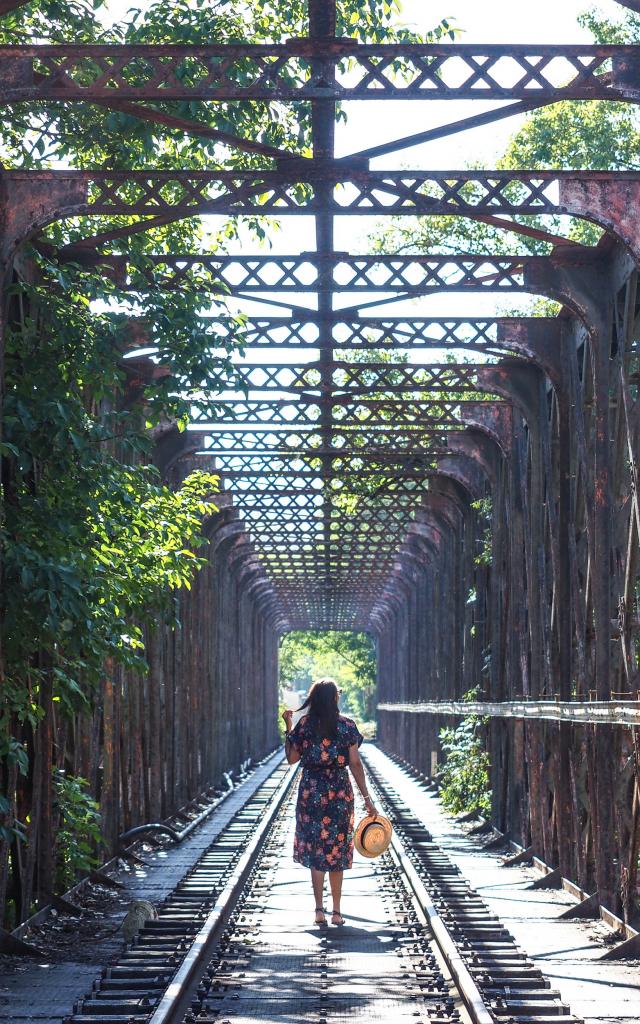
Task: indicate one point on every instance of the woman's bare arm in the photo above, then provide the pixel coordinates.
(357, 770)
(291, 753)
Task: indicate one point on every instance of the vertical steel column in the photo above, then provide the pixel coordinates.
(322, 29)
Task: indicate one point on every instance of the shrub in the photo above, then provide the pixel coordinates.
(368, 730)
(464, 776)
(78, 837)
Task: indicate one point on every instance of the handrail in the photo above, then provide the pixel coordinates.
(594, 712)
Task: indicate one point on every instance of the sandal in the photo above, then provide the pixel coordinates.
(320, 911)
(336, 914)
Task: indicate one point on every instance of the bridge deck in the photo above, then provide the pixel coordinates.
(291, 970)
(288, 970)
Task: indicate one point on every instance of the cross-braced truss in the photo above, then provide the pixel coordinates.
(329, 457)
(295, 71)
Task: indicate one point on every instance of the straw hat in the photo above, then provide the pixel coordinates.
(373, 835)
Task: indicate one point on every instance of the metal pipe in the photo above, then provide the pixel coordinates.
(596, 712)
(179, 835)
(154, 826)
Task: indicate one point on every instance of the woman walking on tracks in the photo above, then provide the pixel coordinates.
(327, 744)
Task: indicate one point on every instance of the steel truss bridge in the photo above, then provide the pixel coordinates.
(354, 475)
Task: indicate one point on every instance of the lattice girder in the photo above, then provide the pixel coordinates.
(329, 191)
(296, 71)
(384, 273)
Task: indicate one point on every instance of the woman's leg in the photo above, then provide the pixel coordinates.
(335, 881)
(317, 881)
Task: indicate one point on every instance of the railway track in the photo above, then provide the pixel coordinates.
(233, 943)
(510, 985)
(161, 959)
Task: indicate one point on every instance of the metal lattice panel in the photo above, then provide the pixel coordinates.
(287, 72)
(348, 273)
(300, 190)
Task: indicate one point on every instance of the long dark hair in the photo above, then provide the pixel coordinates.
(322, 702)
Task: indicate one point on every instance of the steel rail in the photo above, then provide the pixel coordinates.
(171, 1003)
(217, 982)
(465, 984)
(496, 980)
(149, 977)
(196, 976)
(490, 977)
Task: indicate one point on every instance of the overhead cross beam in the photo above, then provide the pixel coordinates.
(319, 189)
(377, 333)
(384, 273)
(295, 70)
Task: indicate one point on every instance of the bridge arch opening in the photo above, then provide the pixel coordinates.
(348, 657)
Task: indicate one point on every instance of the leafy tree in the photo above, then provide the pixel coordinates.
(90, 545)
(592, 135)
(614, 32)
(113, 134)
(349, 658)
(585, 135)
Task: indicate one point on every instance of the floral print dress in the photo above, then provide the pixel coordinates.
(324, 812)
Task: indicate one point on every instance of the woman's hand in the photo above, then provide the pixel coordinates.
(287, 718)
(371, 807)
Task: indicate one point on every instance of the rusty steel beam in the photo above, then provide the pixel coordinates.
(260, 482)
(279, 438)
(308, 412)
(291, 71)
(347, 378)
(379, 273)
(190, 127)
(370, 332)
(596, 195)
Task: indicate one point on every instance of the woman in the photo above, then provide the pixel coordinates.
(326, 743)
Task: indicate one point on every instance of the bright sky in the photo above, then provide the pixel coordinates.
(492, 21)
